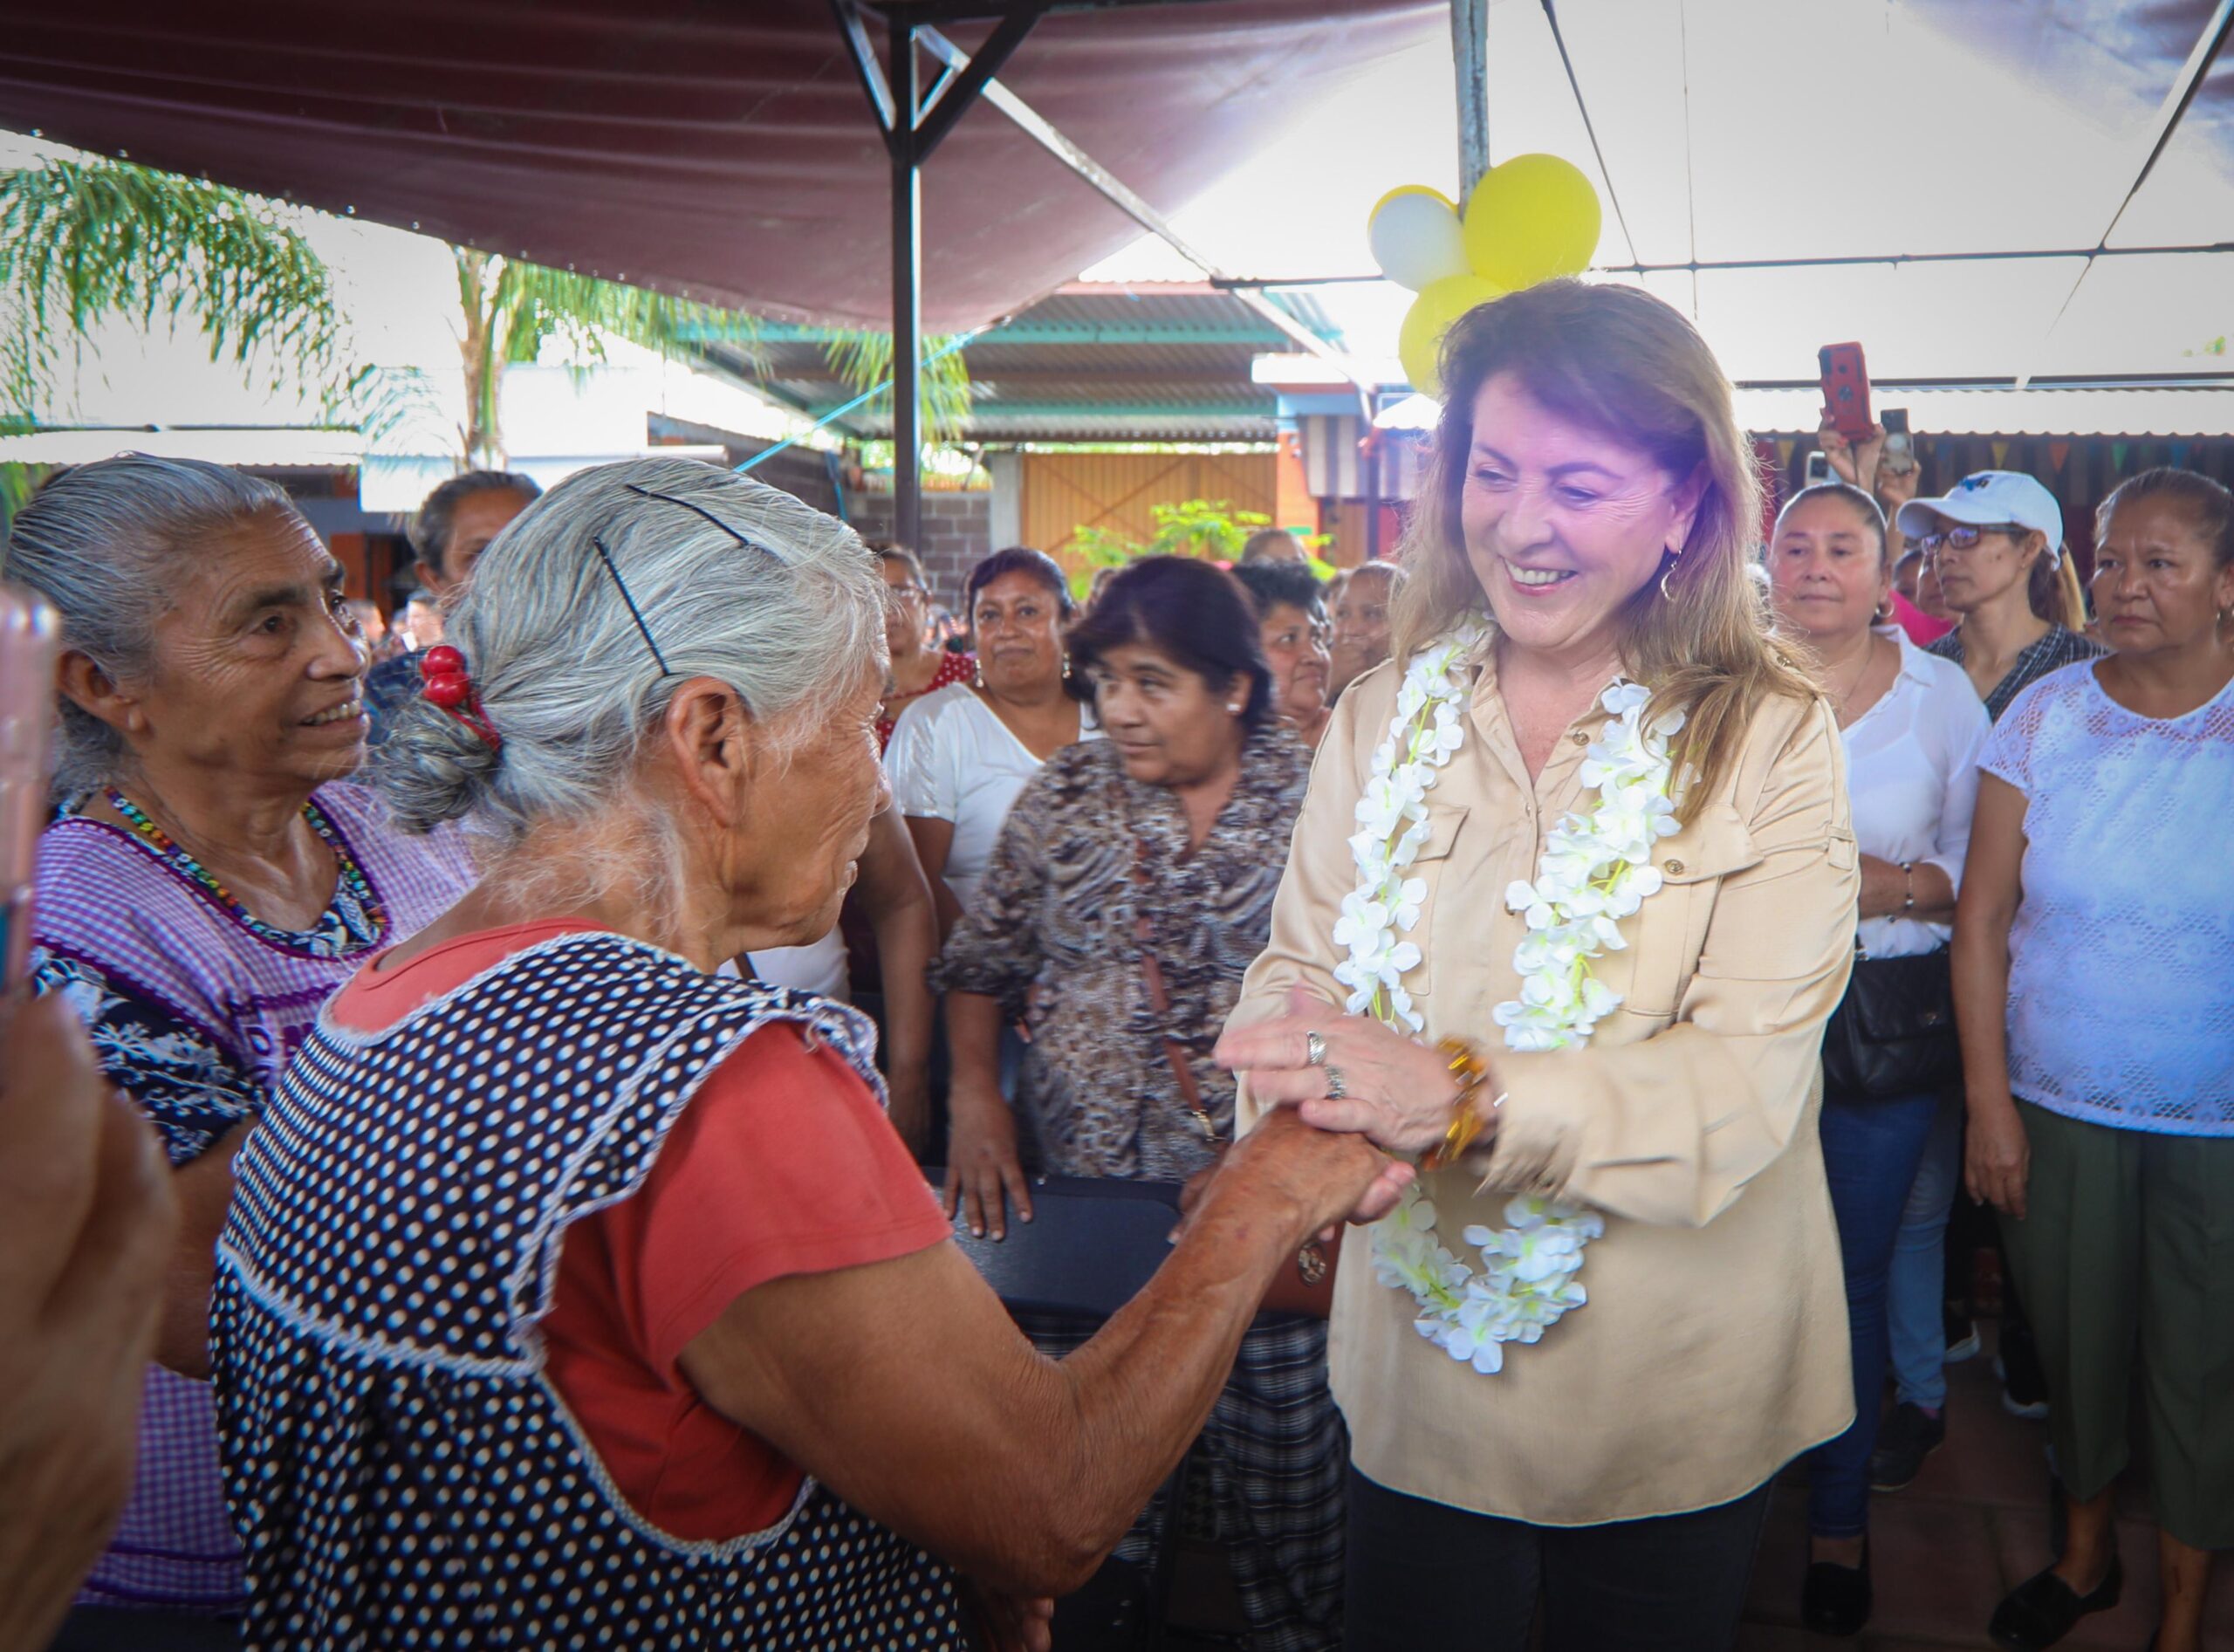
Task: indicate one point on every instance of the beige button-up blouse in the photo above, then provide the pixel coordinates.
(1713, 1347)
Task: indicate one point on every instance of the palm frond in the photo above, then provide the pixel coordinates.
(862, 362)
(513, 308)
(81, 241)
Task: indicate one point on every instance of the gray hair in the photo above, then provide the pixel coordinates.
(104, 542)
(793, 619)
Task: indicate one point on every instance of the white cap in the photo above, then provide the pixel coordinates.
(1991, 498)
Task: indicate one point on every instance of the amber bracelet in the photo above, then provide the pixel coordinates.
(1467, 1066)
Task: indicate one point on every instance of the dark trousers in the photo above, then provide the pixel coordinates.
(1425, 1575)
(108, 1628)
(1871, 1150)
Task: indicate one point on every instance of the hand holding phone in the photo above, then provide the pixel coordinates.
(1899, 455)
(1846, 390)
(31, 635)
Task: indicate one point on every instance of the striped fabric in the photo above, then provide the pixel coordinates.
(197, 1016)
(2055, 650)
(1274, 1452)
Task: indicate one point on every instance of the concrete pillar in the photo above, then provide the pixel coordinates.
(1007, 471)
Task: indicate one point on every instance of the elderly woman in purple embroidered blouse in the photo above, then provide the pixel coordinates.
(208, 883)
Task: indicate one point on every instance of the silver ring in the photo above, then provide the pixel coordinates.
(1314, 1049)
(1337, 1090)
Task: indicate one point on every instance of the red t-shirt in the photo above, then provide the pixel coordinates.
(783, 1163)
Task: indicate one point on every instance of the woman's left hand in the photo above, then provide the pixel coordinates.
(1398, 1093)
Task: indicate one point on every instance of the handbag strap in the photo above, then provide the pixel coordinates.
(1159, 999)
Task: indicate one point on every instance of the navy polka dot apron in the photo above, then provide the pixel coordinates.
(401, 1471)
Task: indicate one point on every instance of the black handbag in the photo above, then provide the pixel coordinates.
(1893, 1032)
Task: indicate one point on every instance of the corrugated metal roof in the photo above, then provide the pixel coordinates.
(1102, 362)
(263, 448)
(2077, 411)
(2087, 411)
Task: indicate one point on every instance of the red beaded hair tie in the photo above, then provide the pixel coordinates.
(447, 685)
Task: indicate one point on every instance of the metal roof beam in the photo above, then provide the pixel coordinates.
(1114, 190)
(1042, 333)
(2185, 84)
(999, 413)
(1697, 266)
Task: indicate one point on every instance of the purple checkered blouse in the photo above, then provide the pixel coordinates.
(197, 1013)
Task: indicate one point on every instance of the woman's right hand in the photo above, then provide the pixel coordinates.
(1996, 1158)
(981, 1163)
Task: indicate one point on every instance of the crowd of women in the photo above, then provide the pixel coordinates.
(1588, 903)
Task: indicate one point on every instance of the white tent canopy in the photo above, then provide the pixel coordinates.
(1736, 130)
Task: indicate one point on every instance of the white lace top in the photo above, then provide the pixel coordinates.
(2122, 957)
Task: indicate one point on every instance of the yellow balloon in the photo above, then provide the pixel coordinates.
(1534, 217)
(1418, 343)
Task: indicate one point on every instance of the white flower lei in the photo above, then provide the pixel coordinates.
(1595, 870)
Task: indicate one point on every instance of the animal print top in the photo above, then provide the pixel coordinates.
(1052, 936)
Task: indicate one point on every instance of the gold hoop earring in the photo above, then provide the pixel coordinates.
(1666, 595)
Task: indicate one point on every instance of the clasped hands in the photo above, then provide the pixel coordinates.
(1368, 1081)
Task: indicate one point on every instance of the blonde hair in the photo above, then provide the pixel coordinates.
(1701, 635)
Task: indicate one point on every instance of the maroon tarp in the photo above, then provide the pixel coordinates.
(725, 150)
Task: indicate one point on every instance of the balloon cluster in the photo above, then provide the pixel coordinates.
(1529, 219)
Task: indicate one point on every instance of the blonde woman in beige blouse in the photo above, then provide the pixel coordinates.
(1592, 500)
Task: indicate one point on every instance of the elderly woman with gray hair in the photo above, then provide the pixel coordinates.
(211, 878)
(578, 1293)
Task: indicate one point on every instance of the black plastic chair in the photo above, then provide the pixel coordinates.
(1090, 1245)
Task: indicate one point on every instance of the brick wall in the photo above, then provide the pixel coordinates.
(957, 534)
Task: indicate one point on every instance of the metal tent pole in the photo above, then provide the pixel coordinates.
(907, 287)
(1469, 48)
(913, 124)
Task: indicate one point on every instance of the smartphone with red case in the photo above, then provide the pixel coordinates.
(29, 637)
(1846, 389)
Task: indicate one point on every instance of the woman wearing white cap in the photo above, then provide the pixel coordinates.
(1995, 542)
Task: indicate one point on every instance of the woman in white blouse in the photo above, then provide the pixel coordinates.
(1913, 730)
(960, 756)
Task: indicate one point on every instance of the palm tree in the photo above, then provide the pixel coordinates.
(83, 240)
(510, 308)
(862, 362)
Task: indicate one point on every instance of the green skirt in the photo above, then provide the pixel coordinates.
(2128, 1247)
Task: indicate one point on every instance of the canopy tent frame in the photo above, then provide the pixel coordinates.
(913, 123)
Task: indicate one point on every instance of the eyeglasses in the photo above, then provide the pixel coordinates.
(1963, 537)
(910, 591)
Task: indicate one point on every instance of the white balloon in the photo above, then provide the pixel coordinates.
(1417, 239)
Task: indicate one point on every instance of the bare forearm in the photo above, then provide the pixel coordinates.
(205, 1190)
(948, 907)
(906, 938)
(904, 1385)
(1886, 889)
(1981, 971)
(973, 1036)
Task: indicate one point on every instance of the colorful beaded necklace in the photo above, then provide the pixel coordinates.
(355, 919)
